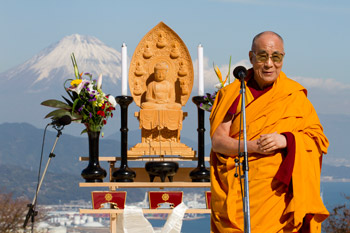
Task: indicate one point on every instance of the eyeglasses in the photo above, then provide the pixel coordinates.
(276, 57)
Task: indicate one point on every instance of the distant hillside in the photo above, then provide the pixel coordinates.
(339, 172)
(20, 145)
(336, 128)
(56, 187)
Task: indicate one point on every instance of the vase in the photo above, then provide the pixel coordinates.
(94, 172)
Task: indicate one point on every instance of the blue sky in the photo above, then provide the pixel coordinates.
(316, 33)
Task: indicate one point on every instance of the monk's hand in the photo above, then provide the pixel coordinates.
(269, 143)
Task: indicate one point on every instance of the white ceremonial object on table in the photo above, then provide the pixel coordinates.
(132, 220)
(124, 70)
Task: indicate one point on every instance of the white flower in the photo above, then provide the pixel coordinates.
(111, 100)
(79, 87)
(218, 86)
(91, 88)
(99, 82)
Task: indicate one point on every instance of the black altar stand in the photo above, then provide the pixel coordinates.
(200, 174)
(124, 173)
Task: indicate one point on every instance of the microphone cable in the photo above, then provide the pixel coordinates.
(32, 212)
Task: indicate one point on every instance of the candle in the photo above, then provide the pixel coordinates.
(124, 70)
(200, 71)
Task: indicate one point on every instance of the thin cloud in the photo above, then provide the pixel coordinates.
(337, 161)
(329, 84)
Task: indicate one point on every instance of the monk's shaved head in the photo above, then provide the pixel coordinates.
(265, 33)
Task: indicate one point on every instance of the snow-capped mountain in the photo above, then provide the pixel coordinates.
(25, 86)
(53, 65)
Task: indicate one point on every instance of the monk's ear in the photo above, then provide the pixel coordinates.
(251, 57)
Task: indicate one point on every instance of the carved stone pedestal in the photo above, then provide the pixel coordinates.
(160, 133)
(161, 148)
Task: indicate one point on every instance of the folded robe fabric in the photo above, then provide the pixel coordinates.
(284, 108)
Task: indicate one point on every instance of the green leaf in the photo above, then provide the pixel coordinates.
(211, 101)
(56, 104)
(67, 81)
(67, 100)
(58, 113)
(70, 95)
(206, 107)
(75, 116)
(75, 96)
(76, 71)
(84, 131)
(229, 71)
(75, 104)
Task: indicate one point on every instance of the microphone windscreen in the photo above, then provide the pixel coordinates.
(64, 120)
(238, 71)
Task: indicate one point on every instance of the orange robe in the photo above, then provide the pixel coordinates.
(284, 108)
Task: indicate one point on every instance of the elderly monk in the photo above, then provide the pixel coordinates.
(285, 143)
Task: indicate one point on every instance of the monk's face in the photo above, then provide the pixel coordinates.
(160, 74)
(265, 54)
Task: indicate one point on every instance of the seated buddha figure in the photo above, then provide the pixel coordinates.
(161, 43)
(160, 93)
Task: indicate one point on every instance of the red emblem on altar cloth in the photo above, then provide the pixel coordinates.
(167, 199)
(115, 198)
(208, 199)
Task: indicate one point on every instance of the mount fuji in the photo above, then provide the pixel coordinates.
(25, 86)
(53, 65)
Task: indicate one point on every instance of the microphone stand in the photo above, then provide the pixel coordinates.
(32, 212)
(244, 154)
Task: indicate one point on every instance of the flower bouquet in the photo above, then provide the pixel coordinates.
(87, 103)
(210, 98)
(90, 106)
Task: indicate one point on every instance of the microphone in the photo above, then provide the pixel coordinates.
(240, 72)
(62, 121)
